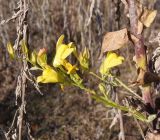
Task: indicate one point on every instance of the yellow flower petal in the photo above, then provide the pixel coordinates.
(70, 69)
(58, 57)
(42, 60)
(60, 41)
(110, 61)
(67, 52)
(49, 76)
(62, 53)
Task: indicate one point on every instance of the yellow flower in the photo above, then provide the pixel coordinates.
(49, 76)
(110, 61)
(62, 52)
(70, 69)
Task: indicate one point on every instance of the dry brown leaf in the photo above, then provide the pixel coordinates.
(139, 8)
(114, 40)
(140, 27)
(148, 17)
(145, 15)
(140, 78)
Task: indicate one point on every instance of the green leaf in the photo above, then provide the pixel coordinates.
(84, 59)
(102, 88)
(109, 103)
(33, 58)
(10, 50)
(75, 77)
(24, 48)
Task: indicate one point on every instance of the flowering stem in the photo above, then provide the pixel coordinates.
(85, 89)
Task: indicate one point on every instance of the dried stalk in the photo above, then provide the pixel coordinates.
(139, 128)
(120, 116)
(23, 27)
(21, 18)
(140, 51)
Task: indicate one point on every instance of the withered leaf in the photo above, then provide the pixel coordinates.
(148, 17)
(140, 27)
(157, 65)
(114, 40)
(145, 15)
(139, 8)
(155, 61)
(140, 78)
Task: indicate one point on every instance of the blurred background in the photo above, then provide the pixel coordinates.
(69, 114)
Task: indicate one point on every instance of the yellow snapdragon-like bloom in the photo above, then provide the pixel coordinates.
(62, 51)
(49, 75)
(110, 61)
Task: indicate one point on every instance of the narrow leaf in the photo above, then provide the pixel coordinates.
(10, 50)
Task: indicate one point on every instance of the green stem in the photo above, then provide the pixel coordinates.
(120, 82)
(109, 83)
(127, 88)
(108, 102)
(85, 89)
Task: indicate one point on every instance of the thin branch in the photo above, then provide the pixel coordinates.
(121, 134)
(139, 128)
(127, 88)
(12, 125)
(16, 15)
(140, 52)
